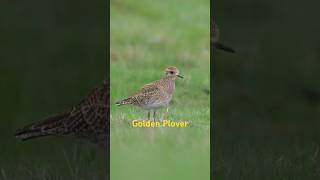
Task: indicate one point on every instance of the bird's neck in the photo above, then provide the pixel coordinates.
(169, 84)
(169, 79)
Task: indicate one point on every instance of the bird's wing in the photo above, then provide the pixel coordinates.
(99, 95)
(143, 95)
(148, 88)
(91, 116)
(89, 121)
(146, 97)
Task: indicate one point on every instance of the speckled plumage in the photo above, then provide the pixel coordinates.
(154, 95)
(89, 120)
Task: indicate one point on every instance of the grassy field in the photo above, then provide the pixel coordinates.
(147, 37)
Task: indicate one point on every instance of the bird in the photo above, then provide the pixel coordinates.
(88, 120)
(156, 94)
(215, 33)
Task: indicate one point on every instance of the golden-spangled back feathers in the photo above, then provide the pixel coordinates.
(155, 94)
(88, 120)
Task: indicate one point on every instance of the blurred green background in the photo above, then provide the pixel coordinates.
(268, 93)
(146, 37)
(52, 53)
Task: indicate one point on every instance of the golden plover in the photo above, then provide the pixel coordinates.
(88, 120)
(215, 38)
(156, 94)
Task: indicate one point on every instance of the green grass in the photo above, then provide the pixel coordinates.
(147, 37)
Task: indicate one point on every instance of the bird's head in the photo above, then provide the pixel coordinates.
(172, 72)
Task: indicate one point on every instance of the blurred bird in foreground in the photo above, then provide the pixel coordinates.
(215, 39)
(156, 94)
(89, 120)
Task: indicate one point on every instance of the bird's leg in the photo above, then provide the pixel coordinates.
(166, 115)
(148, 115)
(154, 116)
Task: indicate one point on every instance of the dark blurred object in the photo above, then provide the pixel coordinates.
(312, 96)
(206, 91)
(215, 39)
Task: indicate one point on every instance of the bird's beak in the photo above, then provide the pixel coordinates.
(179, 76)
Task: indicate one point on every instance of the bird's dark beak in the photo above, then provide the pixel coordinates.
(180, 76)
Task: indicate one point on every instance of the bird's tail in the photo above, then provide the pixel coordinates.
(124, 101)
(223, 47)
(52, 125)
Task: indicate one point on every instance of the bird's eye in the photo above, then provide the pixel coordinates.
(171, 72)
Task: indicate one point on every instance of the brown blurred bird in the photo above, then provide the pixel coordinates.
(215, 39)
(154, 95)
(89, 120)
